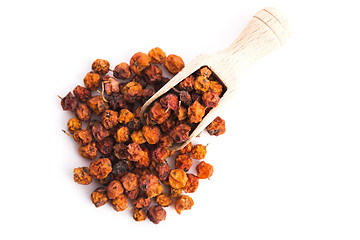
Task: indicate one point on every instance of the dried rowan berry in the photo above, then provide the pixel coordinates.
(181, 113)
(114, 100)
(147, 181)
(175, 192)
(195, 97)
(120, 167)
(206, 72)
(99, 132)
(122, 71)
(109, 119)
(135, 152)
(139, 214)
(145, 160)
(186, 149)
(183, 203)
(97, 104)
(170, 101)
(196, 112)
(185, 98)
(165, 141)
(191, 184)
(105, 181)
(92, 81)
(163, 170)
(69, 102)
(201, 84)
(159, 154)
(122, 134)
(82, 175)
(164, 200)
(73, 125)
(138, 62)
(134, 124)
(100, 168)
(105, 146)
(120, 203)
(180, 133)
(154, 190)
(100, 66)
(129, 181)
(81, 93)
(147, 94)
(88, 151)
(151, 133)
(132, 92)
(133, 194)
(83, 136)
(174, 63)
(114, 189)
(183, 162)
(198, 151)
(177, 178)
(125, 116)
(158, 114)
(168, 125)
(142, 202)
(111, 86)
(204, 170)
(156, 214)
(215, 86)
(99, 197)
(216, 127)
(187, 84)
(157, 55)
(210, 99)
(138, 137)
(153, 74)
(150, 185)
(83, 112)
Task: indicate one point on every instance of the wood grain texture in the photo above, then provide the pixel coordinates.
(266, 31)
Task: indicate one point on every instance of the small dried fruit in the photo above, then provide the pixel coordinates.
(129, 181)
(120, 203)
(138, 62)
(122, 71)
(198, 151)
(99, 197)
(101, 66)
(92, 81)
(114, 189)
(216, 127)
(204, 170)
(88, 151)
(174, 63)
(73, 125)
(183, 203)
(139, 214)
(82, 175)
(69, 102)
(196, 112)
(177, 178)
(157, 55)
(156, 214)
(184, 162)
(100, 168)
(180, 133)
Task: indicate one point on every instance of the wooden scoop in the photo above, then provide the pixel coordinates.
(266, 31)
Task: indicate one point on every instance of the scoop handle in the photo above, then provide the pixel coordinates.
(266, 31)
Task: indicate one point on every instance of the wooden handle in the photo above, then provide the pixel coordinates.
(266, 32)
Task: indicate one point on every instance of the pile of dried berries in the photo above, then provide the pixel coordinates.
(129, 158)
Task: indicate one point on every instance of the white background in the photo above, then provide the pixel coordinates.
(287, 167)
